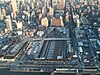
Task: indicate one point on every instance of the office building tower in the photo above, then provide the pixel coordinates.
(32, 5)
(62, 24)
(1, 16)
(40, 16)
(8, 22)
(60, 6)
(44, 22)
(19, 28)
(19, 25)
(48, 3)
(14, 7)
(43, 8)
(19, 32)
(28, 8)
(3, 12)
(6, 30)
(78, 23)
(51, 11)
(54, 2)
(67, 17)
(57, 22)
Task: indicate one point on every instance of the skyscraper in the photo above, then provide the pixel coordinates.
(57, 22)
(44, 22)
(8, 23)
(14, 7)
(51, 11)
(19, 25)
(1, 16)
(3, 12)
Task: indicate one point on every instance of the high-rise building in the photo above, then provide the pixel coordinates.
(40, 16)
(19, 25)
(44, 22)
(67, 17)
(28, 8)
(60, 6)
(8, 22)
(54, 2)
(62, 24)
(14, 7)
(6, 30)
(19, 28)
(1, 16)
(58, 3)
(51, 11)
(19, 32)
(3, 12)
(32, 5)
(57, 22)
(78, 23)
(43, 10)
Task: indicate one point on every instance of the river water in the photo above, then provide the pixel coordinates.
(7, 72)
